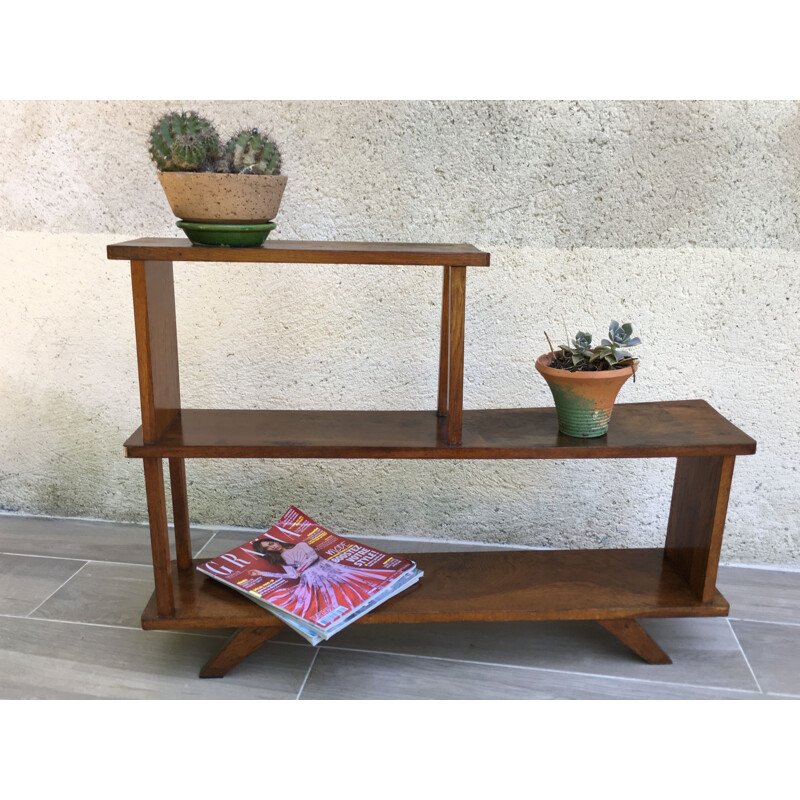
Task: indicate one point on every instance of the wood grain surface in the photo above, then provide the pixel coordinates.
(697, 513)
(638, 430)
(633, 635)
(289, 252)
(444, 346)
(164, 595)
(243, 643)
(455, 360)
(495, 586)
(180, 512)
(156, 345)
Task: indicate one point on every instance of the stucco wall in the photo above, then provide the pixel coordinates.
(679, 217)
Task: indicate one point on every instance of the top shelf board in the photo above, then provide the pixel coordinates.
(292, 252)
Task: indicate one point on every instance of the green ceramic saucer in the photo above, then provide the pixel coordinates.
(226, 235)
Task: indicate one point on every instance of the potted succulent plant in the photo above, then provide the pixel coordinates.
(226, 195)
(585, 380)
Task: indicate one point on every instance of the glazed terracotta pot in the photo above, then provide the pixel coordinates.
(584, 400)
(223, 198)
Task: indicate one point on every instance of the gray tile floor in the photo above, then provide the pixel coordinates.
(72, 592)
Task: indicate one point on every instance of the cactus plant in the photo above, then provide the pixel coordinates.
(250, 152)
(221, 195)
(184, 142)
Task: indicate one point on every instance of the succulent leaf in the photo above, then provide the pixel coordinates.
(607, 355)
(582, 341)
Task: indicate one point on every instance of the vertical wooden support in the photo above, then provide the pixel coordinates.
(180, 512)
(455, 388)
(159, 535)
(156, 345)
(697, 519)
(444, 347)
(159, 391)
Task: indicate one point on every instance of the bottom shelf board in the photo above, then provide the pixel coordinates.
(495, 586)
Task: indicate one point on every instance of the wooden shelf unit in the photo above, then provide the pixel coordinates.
(613, 587)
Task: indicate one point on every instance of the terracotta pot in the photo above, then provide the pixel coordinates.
(584, 400)
(223, 198)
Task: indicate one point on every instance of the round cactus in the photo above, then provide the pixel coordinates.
(184, 143)
(250, 152)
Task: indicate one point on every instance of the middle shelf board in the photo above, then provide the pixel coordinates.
(638, 430)
(503, 585)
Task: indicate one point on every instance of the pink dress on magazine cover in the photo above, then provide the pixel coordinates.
(325, 584)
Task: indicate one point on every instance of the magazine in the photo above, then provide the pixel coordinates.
(315, 581)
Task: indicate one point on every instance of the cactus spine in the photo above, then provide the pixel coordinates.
(252, 153)
(184, 143)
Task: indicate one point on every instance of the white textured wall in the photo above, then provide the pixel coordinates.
(679, 217)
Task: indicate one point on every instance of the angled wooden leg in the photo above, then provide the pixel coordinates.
(180, 512)
(242, 644)
(632, 634)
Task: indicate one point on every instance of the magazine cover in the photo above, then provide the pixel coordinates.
(312, 574)
(314, 636)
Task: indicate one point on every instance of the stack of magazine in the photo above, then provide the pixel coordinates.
(312, 579)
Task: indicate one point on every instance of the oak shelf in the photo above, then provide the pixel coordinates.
(640, 430)
(499, 586)
(291, 252)
(613, 587)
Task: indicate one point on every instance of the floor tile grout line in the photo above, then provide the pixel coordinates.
(92, 560)
(77, 571)
(765, 621)
(115, 627)
(211, 539)
(310, 667)
(148, 566)
(521, 667)
(405, 655)
(540, 669)
(77, 558)
(57, 558)
(744, 656)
